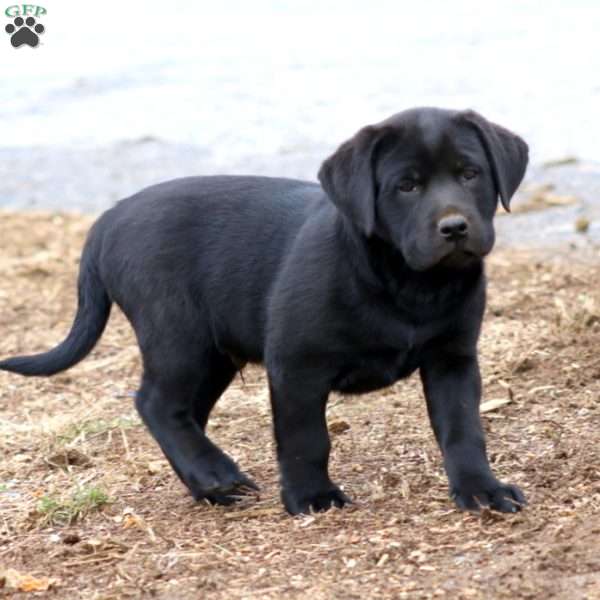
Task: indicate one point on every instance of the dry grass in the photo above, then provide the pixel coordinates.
(130, 530)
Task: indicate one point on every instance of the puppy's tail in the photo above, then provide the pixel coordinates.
(93, 311)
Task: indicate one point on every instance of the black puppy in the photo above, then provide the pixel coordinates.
(348, 287)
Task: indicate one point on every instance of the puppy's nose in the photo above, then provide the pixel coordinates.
(453, 227)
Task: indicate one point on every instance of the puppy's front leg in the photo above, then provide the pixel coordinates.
(298, 401)
(452, 387)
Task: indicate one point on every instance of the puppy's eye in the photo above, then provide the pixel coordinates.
(469, 173)
(407, 185)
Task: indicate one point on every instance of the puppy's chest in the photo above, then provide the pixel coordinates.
(375, 370)
(390, 350)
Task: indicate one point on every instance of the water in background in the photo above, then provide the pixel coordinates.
(122, 94)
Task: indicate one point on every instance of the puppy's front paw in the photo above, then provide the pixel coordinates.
(218, 480)
(493, 494)
(304, 500)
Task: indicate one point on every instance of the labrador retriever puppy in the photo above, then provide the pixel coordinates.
(346, 286)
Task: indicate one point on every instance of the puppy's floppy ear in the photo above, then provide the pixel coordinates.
(348, 178)
(506, 152)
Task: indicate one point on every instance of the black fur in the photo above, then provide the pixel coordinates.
(348, 287)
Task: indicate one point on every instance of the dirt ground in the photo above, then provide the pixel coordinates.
(90, 509)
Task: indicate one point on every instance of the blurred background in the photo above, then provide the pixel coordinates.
(120, 95)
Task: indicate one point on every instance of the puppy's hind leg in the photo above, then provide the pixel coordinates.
(179, 387)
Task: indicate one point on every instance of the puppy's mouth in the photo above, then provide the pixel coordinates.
(450, 255)
(459, 256)
(459, 259)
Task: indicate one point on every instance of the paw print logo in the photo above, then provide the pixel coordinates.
(24, 32)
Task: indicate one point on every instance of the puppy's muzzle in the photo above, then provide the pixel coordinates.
(453, 228)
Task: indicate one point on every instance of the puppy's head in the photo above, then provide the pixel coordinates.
(427, 181)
